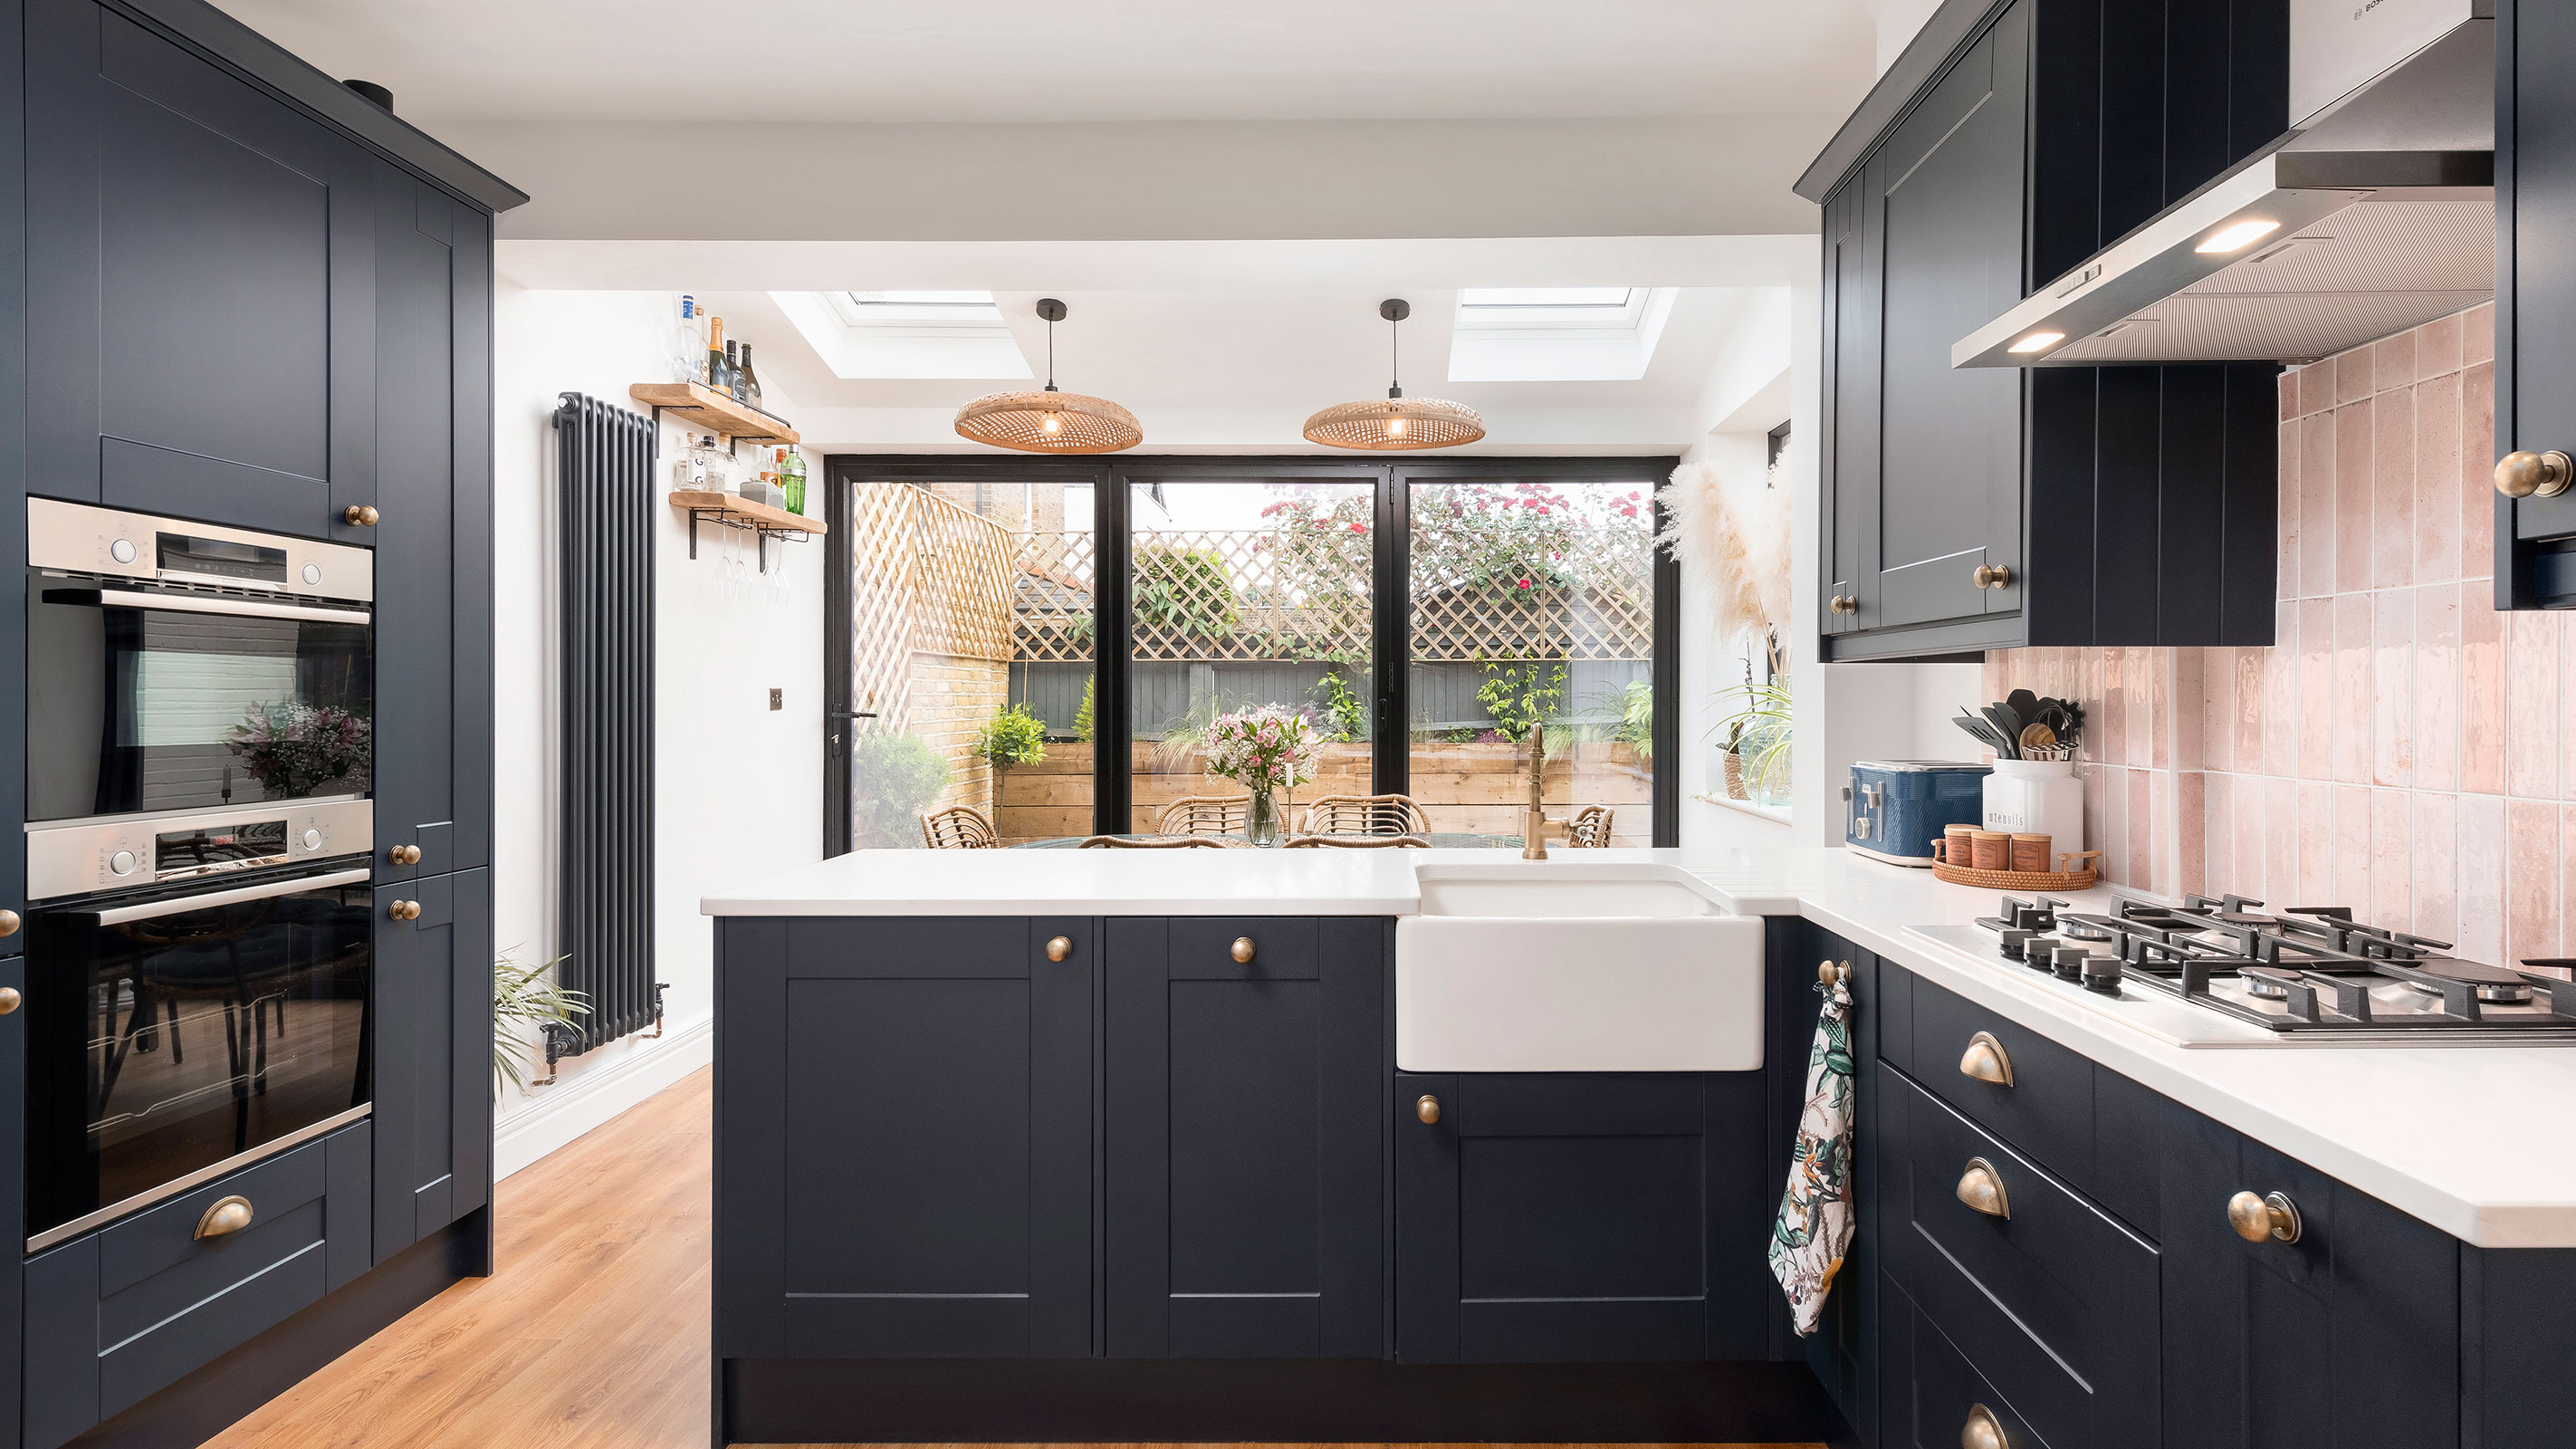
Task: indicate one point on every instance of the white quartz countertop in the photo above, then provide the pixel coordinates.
(2471, 1139)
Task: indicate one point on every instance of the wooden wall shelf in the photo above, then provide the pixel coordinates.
(708, 411)
(729, 511)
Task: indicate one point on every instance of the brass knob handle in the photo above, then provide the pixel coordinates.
(1982, 1189)
(1986, 1061)
(2270, 1218)
(404, 910)
(2534, 475)
(1992, 576)
(404, 855)
(228, 1215)
(9, 923)
(1242, 951)
(359, 515)
(1844, 604)
(9, 999)
(1059, 947)
(1982, 1431)
(1427, 1107)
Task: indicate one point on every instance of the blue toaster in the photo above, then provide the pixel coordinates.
(1893, 810)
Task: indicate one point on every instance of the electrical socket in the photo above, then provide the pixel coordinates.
(778, 699)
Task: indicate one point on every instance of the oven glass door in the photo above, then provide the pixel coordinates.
(143, 701)
(169, 1037)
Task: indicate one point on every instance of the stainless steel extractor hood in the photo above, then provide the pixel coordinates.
(2377, 214)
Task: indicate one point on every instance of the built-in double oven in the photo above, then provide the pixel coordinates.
(200, 746)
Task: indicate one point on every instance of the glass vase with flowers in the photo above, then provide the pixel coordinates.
(1267, 750)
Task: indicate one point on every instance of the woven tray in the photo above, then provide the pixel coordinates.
(2021, 880)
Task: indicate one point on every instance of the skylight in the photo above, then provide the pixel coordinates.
(936, 309)
(920, 334)
(1602, 297)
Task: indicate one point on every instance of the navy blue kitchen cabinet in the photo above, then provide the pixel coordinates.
(431, 1049)
(1566, 1218)
(134, 1307)
(2535, 377)
(1844, 1349)
(908, 1113)
(13, 1200)
(1973, 508)
(431, 489)
(1245, 1149)
(200, 285)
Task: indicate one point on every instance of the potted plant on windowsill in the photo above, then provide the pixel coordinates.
(1757, 740)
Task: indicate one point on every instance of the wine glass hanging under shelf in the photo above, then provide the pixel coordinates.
(727, 511)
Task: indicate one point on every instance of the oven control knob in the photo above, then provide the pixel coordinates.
(121, 863)
(313, 840)
(312, 573)
(122, 550)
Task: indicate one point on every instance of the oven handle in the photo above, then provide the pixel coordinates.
(207, 604)
(119, 915)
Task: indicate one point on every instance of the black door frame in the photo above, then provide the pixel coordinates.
(1390, 600)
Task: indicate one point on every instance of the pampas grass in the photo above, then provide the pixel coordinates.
(1732, 543)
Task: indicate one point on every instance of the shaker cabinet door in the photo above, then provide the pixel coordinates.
(431, 489)
(1245, 1175)
(907, 1118)
(430, 1045)
(1943, 217)
(2535, 375)
(200, 272)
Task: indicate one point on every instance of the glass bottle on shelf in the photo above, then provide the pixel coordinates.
(750, 389)
(685, 346)
(718, 465)
(716, 380)
(689, 466)
(791, 477)
(733, 371)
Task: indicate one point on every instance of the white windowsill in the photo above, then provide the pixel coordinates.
(1779, 813)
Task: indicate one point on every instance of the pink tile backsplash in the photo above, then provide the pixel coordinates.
(2403, 748)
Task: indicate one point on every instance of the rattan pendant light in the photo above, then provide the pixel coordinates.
(1049, 421)
(1395, 423)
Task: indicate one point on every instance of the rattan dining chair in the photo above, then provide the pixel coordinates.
(1365, 815)
(1590, 829)
(1153, 842)
(959, 827)
(1358, 842)
(1206, 815)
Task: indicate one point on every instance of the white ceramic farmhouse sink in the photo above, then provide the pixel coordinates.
(1560, 966)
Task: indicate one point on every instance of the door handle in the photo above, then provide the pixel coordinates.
(1985, 1060)
(1992, 576)
(228, 1215)
(359, 515)
(2264, 1218)
(1427, 1107)
(2534, 475)
(1982, 1189)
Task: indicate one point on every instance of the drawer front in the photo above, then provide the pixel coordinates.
(1283, 948)
(2046, 1112)
(2058, 1302)
(132, 1308)
(1933, 1392)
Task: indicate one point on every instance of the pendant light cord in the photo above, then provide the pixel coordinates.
(1395, 370)
(1050, 354)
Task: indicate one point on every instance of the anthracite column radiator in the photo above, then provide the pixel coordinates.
(605, 515)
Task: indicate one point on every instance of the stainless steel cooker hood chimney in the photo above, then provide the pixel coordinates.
(2375, 213)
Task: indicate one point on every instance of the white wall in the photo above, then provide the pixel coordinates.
(738, 787)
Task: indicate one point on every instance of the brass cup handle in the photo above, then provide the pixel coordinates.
(2268, 1218)
(228, 1215)
(359, 515)
(9, 923)
(1242, 952)
(1986, 1061)
(1992, 576)
(403, 854)
(1983, 1430)
(1059, 947)
(2534, 475)
(1427, 1107)
(1982, 1189)
(404, 910)
(10, 999)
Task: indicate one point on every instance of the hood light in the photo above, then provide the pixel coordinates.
(2038, 342)
(2236, 236)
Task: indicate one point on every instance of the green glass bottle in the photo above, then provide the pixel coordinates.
(791, 478)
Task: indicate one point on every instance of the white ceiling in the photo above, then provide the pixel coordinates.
(944, 61)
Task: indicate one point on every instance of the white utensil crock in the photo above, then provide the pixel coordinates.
(2037, 797)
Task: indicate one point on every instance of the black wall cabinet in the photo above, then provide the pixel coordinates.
(200, 285)
(2535, 403)
(432, 1053)
(1246, 1178)
(907, 1112)
(1568, 1218)
(2114, 506)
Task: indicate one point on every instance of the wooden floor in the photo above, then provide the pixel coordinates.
(593, 1332)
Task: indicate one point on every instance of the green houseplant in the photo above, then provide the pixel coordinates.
(1013, 736)
(525, 1001)
(892, 776)
(1757, 735)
